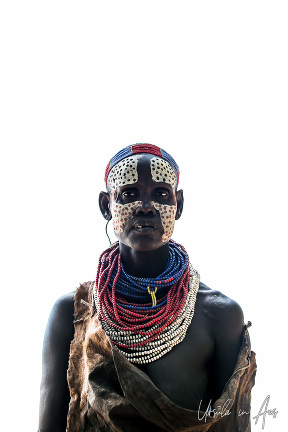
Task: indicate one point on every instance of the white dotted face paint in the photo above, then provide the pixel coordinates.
(167, 215)
(123, 173)
(122, 213)
(162, 171)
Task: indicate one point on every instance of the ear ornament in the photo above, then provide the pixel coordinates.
(106, 229)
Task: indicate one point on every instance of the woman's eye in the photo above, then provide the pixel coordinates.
(162, 193)
(128, 193)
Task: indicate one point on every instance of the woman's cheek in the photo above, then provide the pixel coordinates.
(167, 215)
(122, 213)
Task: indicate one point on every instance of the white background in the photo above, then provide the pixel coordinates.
(206, 81)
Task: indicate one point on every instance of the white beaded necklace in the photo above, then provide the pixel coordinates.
(173, 334)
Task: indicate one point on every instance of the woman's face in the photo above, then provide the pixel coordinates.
(144, 201)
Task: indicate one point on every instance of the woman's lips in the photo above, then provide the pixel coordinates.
(144, 226)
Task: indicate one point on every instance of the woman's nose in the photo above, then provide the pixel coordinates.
(146, 208)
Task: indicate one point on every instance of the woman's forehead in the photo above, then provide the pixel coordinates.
(141, 149)
(162, 171)
(125, 172)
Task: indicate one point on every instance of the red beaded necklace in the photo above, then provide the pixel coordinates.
(116, 315)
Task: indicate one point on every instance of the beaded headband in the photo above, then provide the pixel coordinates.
(141, 148)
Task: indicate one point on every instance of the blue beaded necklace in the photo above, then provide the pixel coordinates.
(142, 290)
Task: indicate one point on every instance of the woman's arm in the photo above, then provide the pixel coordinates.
(54, 393)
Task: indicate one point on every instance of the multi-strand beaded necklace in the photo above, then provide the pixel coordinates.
(146, 317)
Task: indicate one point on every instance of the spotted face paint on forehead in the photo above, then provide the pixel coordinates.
(123, 173)
(162, 171)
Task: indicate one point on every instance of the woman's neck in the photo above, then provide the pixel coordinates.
(144, 263)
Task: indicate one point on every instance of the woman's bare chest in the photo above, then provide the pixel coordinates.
(183, 373)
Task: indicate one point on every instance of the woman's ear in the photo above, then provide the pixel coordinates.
(104, 204)
(180, 203)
